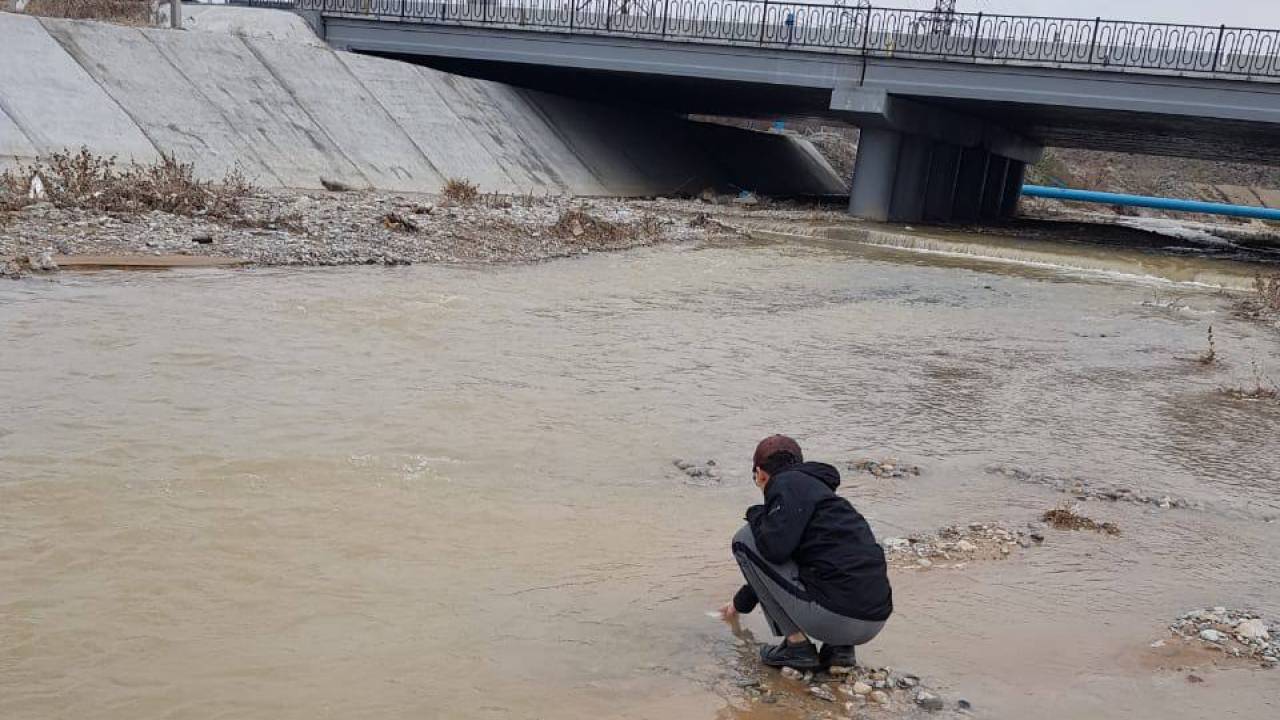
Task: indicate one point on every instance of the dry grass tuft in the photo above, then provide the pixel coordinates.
(460, 191)
(1065, 517)
(126, 12)
(1210, 355)
(88, 181)
(1267, 291)
(1263, 387)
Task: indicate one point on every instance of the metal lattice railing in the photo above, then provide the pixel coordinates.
(860, 29)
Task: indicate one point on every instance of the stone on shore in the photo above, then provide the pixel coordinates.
(929, 701)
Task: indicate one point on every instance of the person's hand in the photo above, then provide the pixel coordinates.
(729, 613)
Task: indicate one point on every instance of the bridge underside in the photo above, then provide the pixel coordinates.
(941, 140)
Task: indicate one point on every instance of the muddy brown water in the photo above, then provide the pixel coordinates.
(442, 492)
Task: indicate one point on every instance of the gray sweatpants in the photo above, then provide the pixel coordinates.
(787, 606)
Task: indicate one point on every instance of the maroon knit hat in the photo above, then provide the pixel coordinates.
(776, 445)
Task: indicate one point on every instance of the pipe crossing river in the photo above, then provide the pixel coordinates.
(1107, 198)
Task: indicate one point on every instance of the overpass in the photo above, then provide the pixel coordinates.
(952, 107)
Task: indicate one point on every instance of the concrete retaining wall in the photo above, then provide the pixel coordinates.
(289, 113)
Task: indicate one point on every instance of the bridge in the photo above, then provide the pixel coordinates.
(951, 106)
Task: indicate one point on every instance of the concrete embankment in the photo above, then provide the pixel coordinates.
(290, 113)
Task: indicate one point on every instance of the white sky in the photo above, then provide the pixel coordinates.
(1247, 13)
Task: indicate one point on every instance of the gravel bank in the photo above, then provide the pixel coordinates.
(356, 228)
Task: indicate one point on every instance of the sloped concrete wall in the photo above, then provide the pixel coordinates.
(290, 113)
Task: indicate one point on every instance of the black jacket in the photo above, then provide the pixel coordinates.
(803, 520)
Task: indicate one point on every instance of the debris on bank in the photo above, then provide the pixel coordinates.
(1236, 633)
(1067, 517)
(350, 228)
(886, 468)
(957, 545)
(1082, 489)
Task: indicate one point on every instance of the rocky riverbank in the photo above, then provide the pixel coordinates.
(354, 228)
(1237, 634)
(957, 545)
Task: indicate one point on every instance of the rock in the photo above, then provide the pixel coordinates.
(908, 681)
(1253, 629)
(1211, 635)
(203, 239)
(746, 198)
(966, 546)
(896, 543)
(36, 189)
(841, 670)
(792, 673)
(964, 704)
(929, 701)
(821, 692)
(924, 563)
(879, 697)
(861, 688)
(334, 185)
(43, 262)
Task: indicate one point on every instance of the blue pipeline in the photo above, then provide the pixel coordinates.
(1091, 196)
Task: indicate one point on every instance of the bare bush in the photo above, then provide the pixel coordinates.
(85, 180)
(1210, 355)
(1262, 388)
(460, 191)
(126, 12)
(1268, 291)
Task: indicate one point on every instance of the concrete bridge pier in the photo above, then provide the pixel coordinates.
(908, 178)
(917, 162)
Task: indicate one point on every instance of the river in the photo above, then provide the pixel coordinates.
(442, 492)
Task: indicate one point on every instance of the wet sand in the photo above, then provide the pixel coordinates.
(447, 492)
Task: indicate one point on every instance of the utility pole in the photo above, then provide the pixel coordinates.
(944, 16)
(175, 14)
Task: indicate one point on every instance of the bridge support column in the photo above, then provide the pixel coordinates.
(875, 173)
(915, 156)
(944, 174)
(971, 181)
(918, 161)
(1013, 188)
(993, 193)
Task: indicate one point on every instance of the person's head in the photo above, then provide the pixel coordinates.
(773, 454)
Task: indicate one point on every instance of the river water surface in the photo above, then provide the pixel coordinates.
(439, 492)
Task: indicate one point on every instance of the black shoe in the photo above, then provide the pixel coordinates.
(838, 656)
(801, 657)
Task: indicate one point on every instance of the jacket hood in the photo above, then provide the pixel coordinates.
(822, 471)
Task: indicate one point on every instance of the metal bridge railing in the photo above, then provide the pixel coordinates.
(1248, 53)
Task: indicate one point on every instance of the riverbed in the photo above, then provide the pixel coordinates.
(448, 492)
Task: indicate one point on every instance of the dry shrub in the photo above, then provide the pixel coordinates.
(578, 224)
(1268, 292)
(85, 180)
(130, 12)
(1263, 388)
(460, 191)
(1210, 355)
(1065, 517)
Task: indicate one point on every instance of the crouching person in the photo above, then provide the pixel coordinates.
(810, 561)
